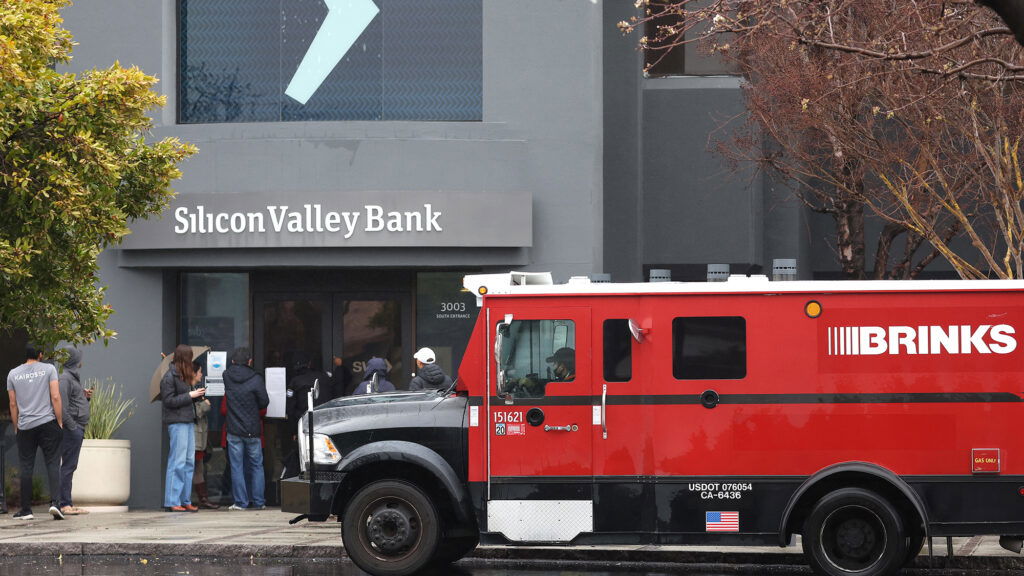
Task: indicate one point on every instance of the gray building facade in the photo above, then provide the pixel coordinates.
(525, 136)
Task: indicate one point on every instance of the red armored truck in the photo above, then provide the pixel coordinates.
(863, 416)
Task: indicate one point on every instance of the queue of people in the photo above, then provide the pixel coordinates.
(51, 412)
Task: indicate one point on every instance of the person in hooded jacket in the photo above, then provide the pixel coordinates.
(429, 375)
(301, 382)
(246, 395)
(379, 367)
(75, 401)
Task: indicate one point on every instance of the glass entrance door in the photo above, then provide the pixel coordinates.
(365, 328)
(291, 327)
(328, 329)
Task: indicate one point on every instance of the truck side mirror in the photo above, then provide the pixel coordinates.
(637, 331)
(501, 332)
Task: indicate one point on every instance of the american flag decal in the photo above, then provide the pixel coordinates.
(721, 521)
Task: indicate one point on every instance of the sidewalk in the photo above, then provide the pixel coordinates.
(267, 534)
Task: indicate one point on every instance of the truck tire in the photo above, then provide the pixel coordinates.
(390, 528)
(915, 543)
(854, 532)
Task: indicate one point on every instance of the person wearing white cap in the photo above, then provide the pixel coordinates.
(429, 375)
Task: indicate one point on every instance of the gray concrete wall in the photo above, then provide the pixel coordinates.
(695, 210)
(130, 360)
(623, 177)
(671, 201)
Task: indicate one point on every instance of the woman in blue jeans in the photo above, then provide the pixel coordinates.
(178, 399)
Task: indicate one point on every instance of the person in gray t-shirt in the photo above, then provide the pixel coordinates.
(36, 413)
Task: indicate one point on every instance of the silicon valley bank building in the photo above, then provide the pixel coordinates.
(358, 158)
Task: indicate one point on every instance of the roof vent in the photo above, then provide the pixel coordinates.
(718, 272)
(601, 278)
(660, 275)
(783, 269)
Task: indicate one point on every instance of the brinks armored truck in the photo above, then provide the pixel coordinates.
(862, 416)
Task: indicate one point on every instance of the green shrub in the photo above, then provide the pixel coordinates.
(108, 409)
(12, 489)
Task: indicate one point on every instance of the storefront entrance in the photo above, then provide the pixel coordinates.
(351, 315)
(336, 333)
(326, 328)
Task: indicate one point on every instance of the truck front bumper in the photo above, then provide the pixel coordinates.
(316, 503)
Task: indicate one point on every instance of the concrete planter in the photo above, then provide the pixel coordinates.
(103, 479)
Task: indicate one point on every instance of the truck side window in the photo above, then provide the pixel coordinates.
(536, 353)
(618, 351)
(709, 348)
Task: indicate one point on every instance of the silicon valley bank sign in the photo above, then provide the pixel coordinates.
(343, 219)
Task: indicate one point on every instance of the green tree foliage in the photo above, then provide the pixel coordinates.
(75, 169)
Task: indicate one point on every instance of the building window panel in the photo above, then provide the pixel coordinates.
(415, 60)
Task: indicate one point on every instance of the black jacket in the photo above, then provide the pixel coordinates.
(296, 402)
(246, 395)
(177, 404)
(430, 376)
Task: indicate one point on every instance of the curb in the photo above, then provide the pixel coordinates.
(654, 555)
(505, 554)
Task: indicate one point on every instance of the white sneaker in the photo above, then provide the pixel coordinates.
(235, 507)
(56, 513)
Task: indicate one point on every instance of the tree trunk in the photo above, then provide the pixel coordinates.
(850, 238)
(884, 249)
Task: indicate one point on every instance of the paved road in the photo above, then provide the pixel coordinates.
(113, 566)
(178, 566)
(266, 538)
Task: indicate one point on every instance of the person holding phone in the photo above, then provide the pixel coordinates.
(178, 398)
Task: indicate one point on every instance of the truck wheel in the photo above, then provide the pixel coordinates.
(915, 543)
(854, 532)
(390, 528)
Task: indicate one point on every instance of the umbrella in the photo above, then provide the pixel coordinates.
(154, 382)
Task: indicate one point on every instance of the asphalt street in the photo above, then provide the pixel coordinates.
(122, 566)
(234, 566)
(222, 542)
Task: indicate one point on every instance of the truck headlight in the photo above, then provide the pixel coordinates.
(324, 451)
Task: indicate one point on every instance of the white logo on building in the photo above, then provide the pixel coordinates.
(912, 340)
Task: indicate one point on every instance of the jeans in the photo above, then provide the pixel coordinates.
(71, 447)
(247, 451)
(180, 464)
(46, 436)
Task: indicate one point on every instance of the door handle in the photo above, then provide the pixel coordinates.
(568, 428)
(604, 406)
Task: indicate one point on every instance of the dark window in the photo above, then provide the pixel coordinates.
(618, 351)
(709, 348)
(660, 58)
(667, 55)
